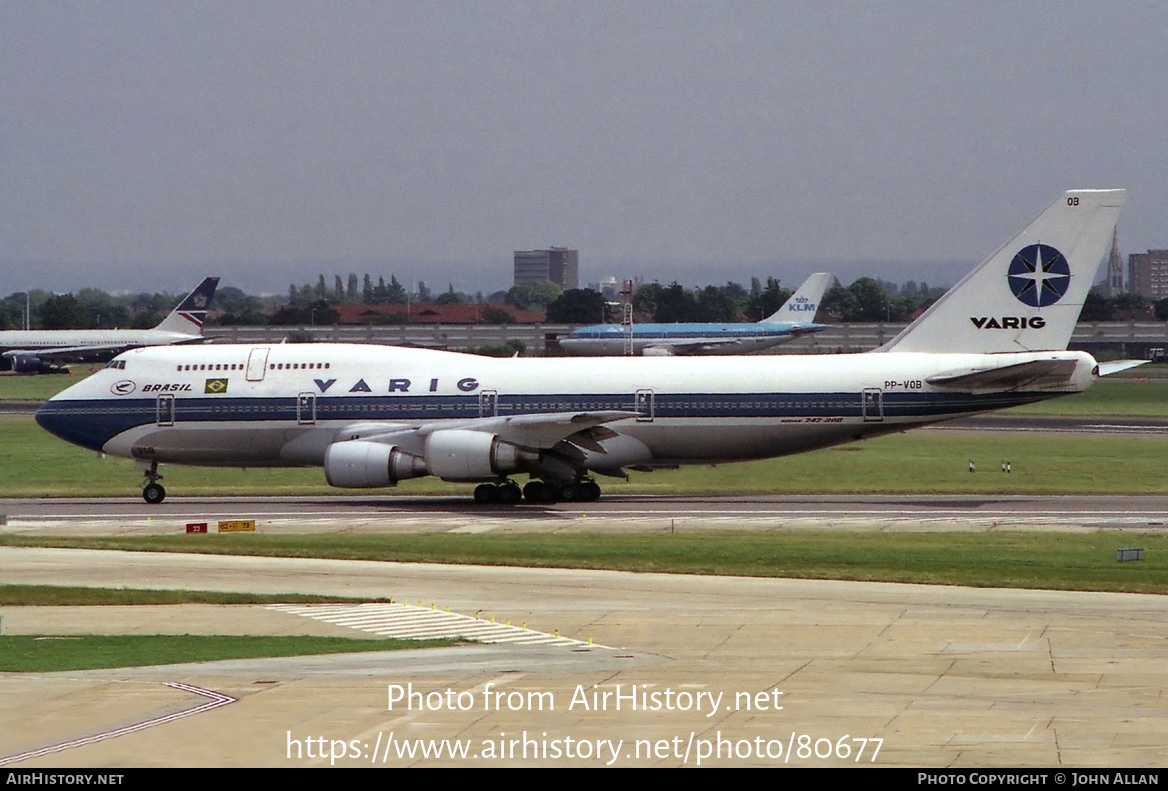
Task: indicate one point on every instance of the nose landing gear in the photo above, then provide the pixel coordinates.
(153, 492)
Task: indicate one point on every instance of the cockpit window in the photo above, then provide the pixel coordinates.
(119, 364)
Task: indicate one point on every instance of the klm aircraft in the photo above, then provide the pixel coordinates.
(795, 318)
(373, 416)
(47, 351)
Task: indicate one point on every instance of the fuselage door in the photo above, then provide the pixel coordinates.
(644, 406)
(257, 363)
(872, 405)
(488, 403)
(165, 410)
(306, 409)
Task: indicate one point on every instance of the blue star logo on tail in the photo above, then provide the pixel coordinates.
(1039, 275)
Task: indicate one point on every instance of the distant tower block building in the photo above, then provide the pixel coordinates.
(1147, 274)
(557, 264)
(1115, 267)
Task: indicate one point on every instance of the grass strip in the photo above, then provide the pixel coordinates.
(64, 596)
(34, 464)
(45, 654)
(1036, 560)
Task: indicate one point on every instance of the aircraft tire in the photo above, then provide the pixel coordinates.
(509, 494)
(538, 492)
(153, 493)
(486, 493)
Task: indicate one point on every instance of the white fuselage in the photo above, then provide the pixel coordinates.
(284, 405)
(48, 340)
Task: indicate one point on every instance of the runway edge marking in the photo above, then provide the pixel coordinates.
(411, 622)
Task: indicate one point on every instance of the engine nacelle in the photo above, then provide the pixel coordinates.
(367, 465)
(31, 364)
(462, 455)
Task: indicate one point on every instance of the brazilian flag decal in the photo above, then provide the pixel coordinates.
(215, 386)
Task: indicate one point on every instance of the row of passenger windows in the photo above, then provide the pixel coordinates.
(240, 366)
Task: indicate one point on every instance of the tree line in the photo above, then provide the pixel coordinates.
(865, 300)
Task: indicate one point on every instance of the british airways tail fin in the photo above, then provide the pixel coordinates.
(1027, 296)
(804, 303)
(190, 314)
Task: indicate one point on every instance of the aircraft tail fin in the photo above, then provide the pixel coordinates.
(1026, 296)
(190, 314)
(804, 303)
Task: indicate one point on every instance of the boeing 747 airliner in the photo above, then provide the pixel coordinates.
(373, 416)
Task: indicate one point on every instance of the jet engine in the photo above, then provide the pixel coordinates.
(462, 455)
(367, 465)
(31, 364)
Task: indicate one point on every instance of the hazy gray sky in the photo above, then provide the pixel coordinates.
(145, 144)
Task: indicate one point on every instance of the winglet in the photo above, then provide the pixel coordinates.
(804, 303)
(190, 314)
(1026, 296)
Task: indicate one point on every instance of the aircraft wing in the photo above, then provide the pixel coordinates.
(670, 347)
(1040, 373)
(69, 354)
(531, 431)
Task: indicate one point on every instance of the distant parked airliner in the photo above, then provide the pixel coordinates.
(47, 351)
(795, 318)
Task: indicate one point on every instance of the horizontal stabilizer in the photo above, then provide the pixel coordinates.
(1034, 374)
(1115, 366)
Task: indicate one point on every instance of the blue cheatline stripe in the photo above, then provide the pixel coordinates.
(92, 423)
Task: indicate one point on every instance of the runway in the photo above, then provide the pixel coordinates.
(88, 516)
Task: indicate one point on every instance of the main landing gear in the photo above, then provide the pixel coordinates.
(153, 492)
(506, 493)
(584, 490)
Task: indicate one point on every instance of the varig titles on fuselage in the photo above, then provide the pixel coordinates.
(467, 384)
